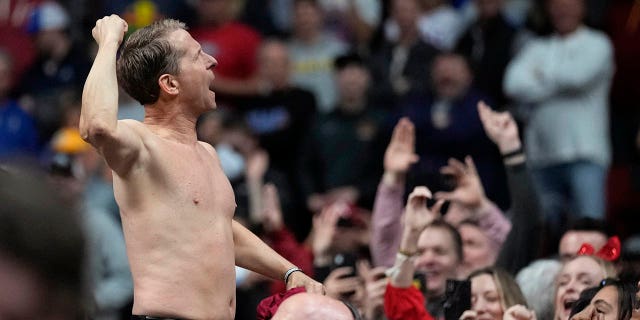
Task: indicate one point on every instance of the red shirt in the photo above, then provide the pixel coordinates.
(13, 34)
(234, 45)
(405, 304)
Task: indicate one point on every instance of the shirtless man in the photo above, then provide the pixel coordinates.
(175, 202)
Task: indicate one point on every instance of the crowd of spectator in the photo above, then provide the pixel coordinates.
(383, 146)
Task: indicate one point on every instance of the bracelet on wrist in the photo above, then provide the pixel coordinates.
(401, 258)
(407, 253)
(289, 272)
(513, 153)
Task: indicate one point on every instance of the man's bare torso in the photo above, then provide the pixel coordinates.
(176, 206)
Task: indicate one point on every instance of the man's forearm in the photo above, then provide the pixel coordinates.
(253, 254)
(100, 94)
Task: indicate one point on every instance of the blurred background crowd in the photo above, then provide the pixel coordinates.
(314, 99)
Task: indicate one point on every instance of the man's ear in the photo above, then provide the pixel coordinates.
(168, 84)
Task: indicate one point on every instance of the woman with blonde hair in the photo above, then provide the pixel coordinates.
(577, 274)
(494, 293)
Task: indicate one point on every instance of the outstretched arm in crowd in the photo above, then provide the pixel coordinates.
(387, 208)
(402, 300)
(525, 207)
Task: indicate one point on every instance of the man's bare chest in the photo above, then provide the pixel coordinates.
(195, 179)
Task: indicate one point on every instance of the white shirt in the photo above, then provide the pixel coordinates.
(566, 82)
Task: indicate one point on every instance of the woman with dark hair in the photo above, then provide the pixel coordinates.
(585, 299)
(614, 300)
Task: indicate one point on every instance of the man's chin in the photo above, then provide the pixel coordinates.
(434, 285)
(213, 104)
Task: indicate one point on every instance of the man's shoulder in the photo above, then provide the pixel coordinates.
(208, 147)
(596, 37)
(132, 122)
(136, 125)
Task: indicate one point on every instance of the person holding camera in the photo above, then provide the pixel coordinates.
(426, 245)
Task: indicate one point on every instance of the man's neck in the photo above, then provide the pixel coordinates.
(568, 33)
(170, 124)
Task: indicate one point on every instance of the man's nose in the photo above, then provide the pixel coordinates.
(426, 259)
(212, 61)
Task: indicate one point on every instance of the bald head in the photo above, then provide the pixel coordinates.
(311, 306)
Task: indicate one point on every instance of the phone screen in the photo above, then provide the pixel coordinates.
(345, 260)
(457, 298)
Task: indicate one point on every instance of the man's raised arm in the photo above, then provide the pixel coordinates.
(99, 124)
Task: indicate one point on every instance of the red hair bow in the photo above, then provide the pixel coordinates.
(610, 251)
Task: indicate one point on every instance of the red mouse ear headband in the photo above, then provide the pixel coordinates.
(610, 251)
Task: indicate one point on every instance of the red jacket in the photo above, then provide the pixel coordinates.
(405, 304)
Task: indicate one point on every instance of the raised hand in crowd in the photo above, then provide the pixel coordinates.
(502, 129)
(324, 229)
(417, 216)
(388, 205)
(375, 284)
(342, 283)
(257, 165)
(400, 153)
(271, 210)
(468, 197)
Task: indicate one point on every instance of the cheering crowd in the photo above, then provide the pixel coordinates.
(420, 159)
